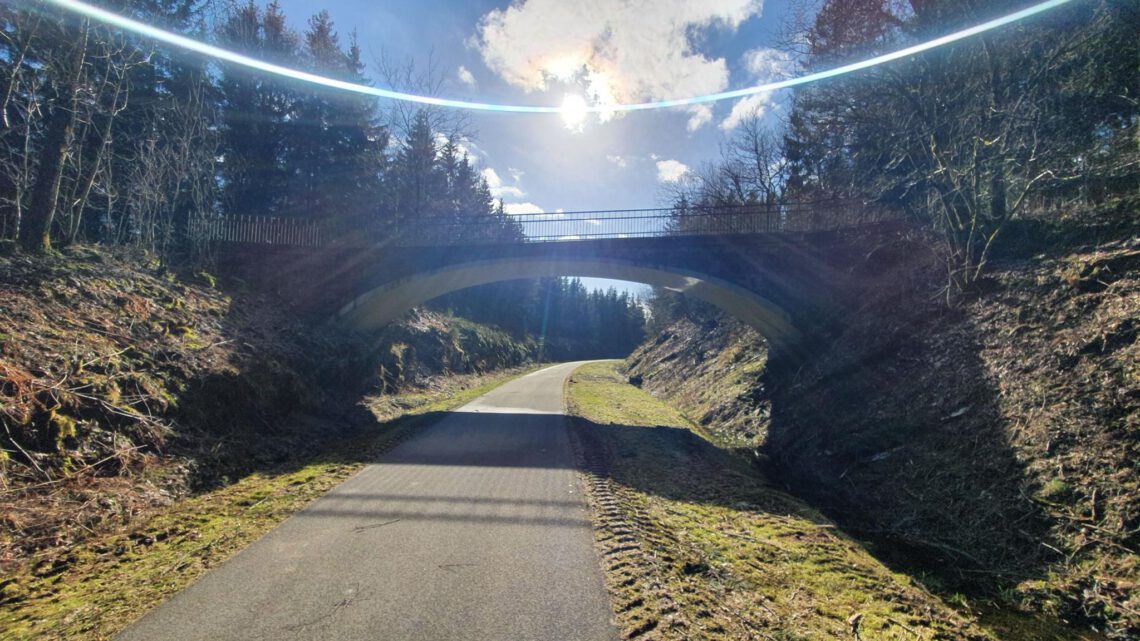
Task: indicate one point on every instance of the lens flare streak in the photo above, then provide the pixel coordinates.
(189, 44)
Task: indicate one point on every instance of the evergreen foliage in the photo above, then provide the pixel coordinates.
(109, 138)
(570, 322)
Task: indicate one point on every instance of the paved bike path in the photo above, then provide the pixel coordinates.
(473, 529)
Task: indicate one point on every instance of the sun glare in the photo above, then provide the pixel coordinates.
(573, 104)
(573, 112)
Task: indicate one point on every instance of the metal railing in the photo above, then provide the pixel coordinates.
(560, 226)
(728, 220)
(263, 230)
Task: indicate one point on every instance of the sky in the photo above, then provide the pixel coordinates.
(596, 52)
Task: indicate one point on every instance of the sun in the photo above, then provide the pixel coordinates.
(573, 112)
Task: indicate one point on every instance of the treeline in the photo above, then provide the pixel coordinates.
(1037, 118)
(114, 139)
(570, 322)
(108, 137)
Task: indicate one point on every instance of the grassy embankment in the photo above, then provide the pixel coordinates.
(113, 579)
(696, 545)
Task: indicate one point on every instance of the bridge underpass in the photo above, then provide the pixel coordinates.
(389, 301)
(777, 268)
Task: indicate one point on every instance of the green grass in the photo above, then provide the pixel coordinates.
(111, 580)
(721, 555)
(598, 393)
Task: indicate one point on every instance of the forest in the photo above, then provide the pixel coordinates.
(1037, 123)
(111, 139)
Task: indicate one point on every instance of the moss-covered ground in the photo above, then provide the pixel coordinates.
(696, 545)
(111, 580)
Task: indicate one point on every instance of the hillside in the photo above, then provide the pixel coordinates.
(125, 387)
(712, 369)
(989, 449)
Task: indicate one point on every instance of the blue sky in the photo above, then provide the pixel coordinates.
(540, 51)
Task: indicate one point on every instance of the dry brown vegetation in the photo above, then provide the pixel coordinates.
(713, 371)
(990, 448)
(126, 388)
(123, 388)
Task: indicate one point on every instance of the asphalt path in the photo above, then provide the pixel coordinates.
(473, 529)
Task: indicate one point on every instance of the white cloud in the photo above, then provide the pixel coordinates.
(515, 209)
(670, 171)
(611, 50)
(507, 191)
(756, 104)
(699, 116)
(767, 65)
(764, 65)
(492, 178)
(463, 145)
(465, 76)
(620, 161)
(498, 189)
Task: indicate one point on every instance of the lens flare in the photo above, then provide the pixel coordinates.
(189, 44)
(574, 111)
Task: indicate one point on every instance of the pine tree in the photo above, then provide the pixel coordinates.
(418, 182)
(258, 111)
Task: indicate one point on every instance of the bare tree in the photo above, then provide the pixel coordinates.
(427, 79)
(95, 124)
(21, 113)
(757, 151)
(962, 137)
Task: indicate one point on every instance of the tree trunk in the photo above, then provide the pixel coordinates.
(35, 231)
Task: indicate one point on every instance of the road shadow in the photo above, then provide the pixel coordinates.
(668, 462)
(480, 449)
(287, 391)
(896, 432)
(676, 464)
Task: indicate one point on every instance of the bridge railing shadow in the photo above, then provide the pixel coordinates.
(667, 462)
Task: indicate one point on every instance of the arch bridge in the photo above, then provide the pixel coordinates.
(777, 267)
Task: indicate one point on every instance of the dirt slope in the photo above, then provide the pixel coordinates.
(711, 369)
(125, 386)
(991, 448)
